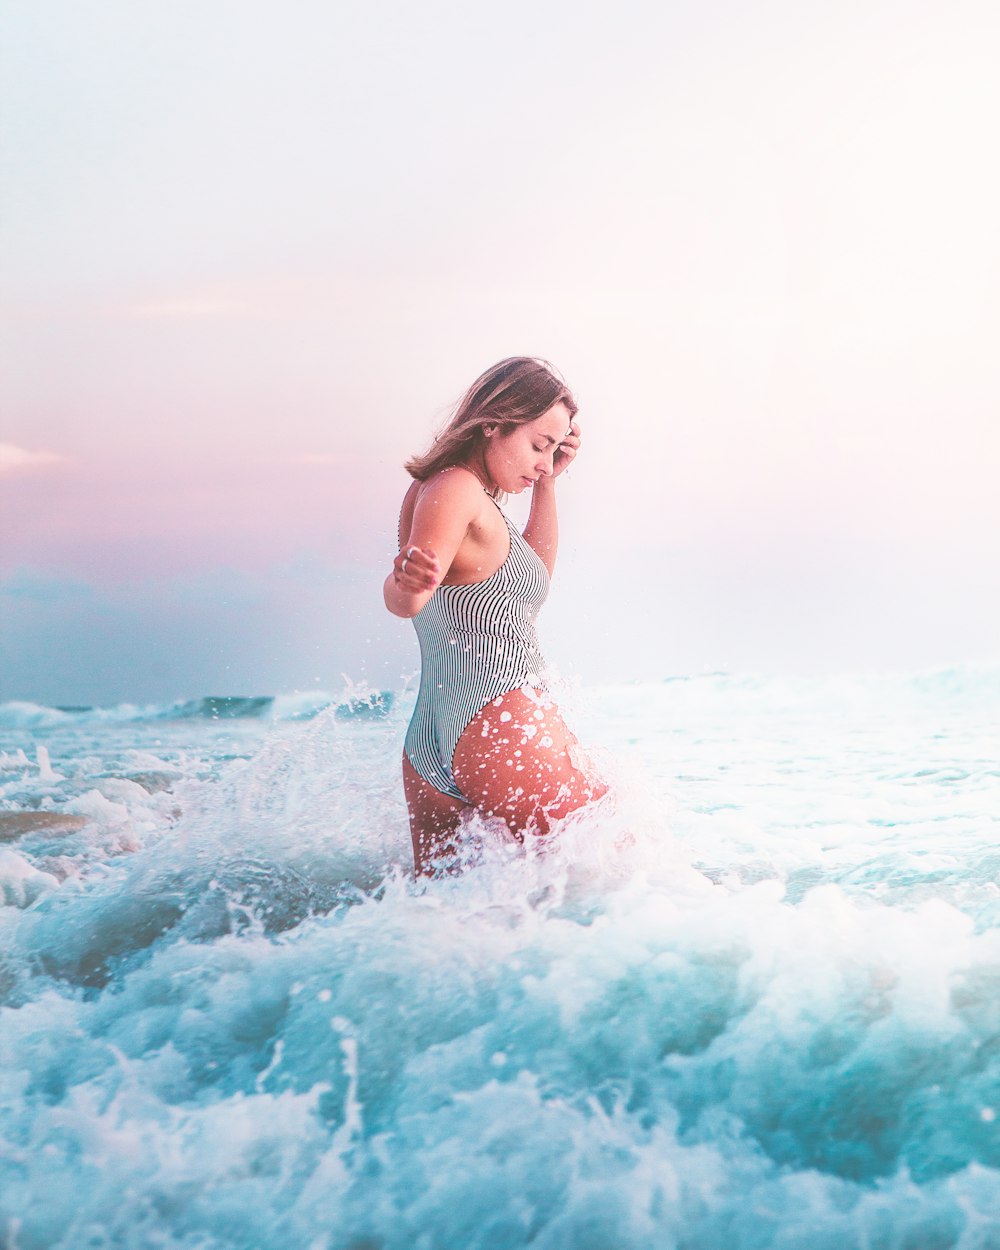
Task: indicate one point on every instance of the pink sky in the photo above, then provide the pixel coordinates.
(763, 251)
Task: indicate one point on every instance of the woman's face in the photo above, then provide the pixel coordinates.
(516, 458)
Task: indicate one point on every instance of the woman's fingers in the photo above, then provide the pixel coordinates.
(568, 448)
(422, 563)
(416, 570)
(409, 580)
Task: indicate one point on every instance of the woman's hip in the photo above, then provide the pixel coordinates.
(518, 759)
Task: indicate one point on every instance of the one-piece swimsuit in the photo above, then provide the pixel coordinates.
(477, 642)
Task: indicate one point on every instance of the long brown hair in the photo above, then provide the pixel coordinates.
(513, 392)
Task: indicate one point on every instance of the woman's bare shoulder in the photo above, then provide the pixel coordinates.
(455, 492)
(455, 485)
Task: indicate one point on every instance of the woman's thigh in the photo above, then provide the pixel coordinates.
(518, 760)
(434, 818)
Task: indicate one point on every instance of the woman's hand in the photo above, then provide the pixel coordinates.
(567, 449)
(415, 571)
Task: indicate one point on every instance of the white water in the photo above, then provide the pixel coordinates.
(769, 1016)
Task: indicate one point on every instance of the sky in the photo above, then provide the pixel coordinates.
(251, 254)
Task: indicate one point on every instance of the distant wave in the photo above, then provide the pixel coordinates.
(19, 714)
(965, 684)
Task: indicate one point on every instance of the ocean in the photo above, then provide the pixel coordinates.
(752, 1000)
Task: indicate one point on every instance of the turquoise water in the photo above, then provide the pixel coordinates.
(753, 1001)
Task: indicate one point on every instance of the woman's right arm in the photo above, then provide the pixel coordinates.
(445, 507)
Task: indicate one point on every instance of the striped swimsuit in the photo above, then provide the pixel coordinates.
(476, 643)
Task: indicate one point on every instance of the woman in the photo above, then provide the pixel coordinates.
(484, 735)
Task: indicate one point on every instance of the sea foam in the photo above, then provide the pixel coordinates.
(751, 1000)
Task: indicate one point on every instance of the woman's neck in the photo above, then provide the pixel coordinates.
(477, 467)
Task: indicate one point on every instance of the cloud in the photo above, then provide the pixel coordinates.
(13, 458)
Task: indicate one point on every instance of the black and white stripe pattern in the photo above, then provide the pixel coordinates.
(476, 643)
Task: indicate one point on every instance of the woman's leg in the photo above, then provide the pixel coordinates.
(514, 760)
(434, 817)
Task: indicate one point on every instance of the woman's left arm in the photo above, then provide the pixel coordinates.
(542, 531)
